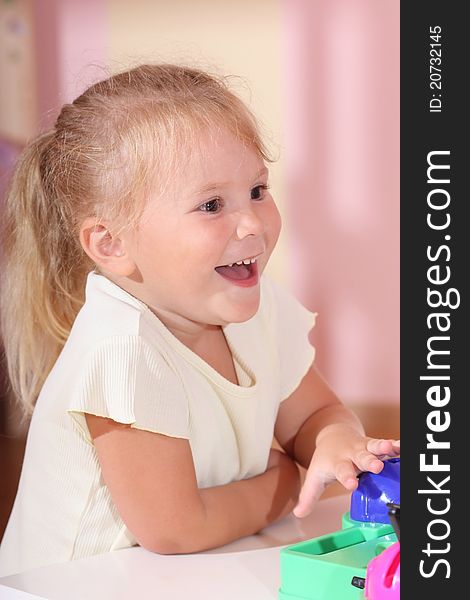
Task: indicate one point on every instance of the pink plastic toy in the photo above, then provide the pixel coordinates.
(383, 571)
(383, 575)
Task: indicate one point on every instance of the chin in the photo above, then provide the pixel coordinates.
(242, 313)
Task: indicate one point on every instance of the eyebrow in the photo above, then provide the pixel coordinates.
(216, 186)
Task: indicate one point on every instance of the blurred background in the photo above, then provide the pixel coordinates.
(322, 76)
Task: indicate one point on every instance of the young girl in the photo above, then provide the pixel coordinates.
(134, 306)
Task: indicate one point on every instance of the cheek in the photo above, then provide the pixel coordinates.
(199, 248)
(210, 239)
(272, 218)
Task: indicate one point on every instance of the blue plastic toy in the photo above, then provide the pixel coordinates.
(374, 492)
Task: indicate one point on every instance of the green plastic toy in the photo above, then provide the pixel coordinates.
(333, 566)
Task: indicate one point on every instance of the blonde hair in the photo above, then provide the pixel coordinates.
(108, 147)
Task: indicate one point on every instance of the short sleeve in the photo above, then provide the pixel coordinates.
(292, 323)
(128, 381)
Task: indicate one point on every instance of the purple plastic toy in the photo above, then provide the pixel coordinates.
(369, 501)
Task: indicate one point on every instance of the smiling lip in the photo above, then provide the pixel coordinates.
(247, 282)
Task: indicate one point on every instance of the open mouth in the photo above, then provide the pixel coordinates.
(242, 271)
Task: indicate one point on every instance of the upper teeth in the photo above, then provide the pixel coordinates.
(247, 261)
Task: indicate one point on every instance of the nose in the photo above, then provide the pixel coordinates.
(249, 223)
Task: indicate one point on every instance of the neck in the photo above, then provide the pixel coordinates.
(192, 334)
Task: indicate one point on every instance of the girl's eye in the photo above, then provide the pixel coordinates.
(212, 206)
(257, 193)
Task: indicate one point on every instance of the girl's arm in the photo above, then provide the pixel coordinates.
(319, 432)
(152, 481)
(308, 410)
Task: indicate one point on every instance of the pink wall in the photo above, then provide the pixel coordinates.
(341, 68)
(71, 45)
(341, 104)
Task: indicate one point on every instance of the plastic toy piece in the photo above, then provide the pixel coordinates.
(358, 582)
(394, 514)
(375, 490)
(383, 575)
(383, 572)
(330, 567)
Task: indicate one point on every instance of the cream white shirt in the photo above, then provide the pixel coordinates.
(121, 362)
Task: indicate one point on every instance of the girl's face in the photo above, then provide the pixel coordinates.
(215, 213)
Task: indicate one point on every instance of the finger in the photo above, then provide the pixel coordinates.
(346, 474)
(382, 448)
(366, 461)
(311, 491)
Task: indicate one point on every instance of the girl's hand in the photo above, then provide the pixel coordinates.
(341, 454)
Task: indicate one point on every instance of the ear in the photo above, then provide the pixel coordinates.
(106, 250)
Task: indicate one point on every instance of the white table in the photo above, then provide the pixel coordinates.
(247, 569)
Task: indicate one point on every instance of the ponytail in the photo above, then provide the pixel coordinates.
(43, 274)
